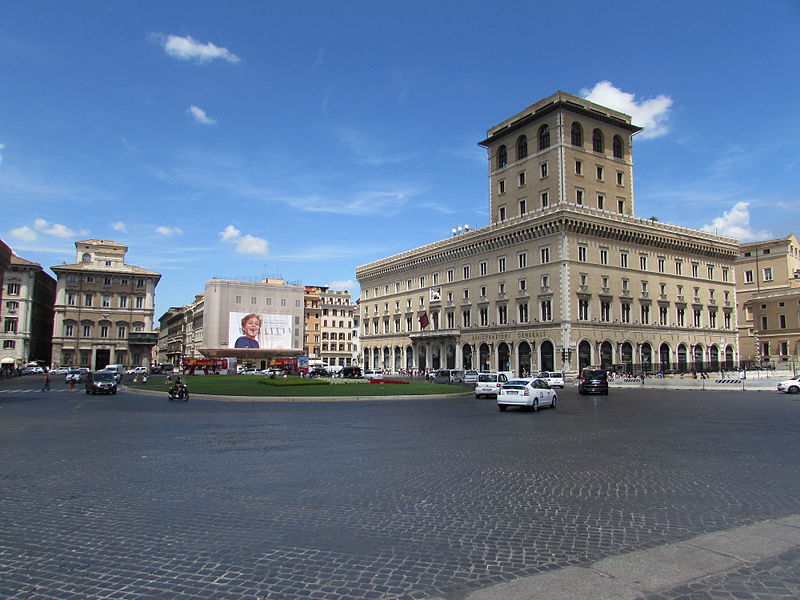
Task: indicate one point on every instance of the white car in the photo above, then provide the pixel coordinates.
(790, 386)
(138, 371)
(373, 373)
(59, 371)
(489, 384)
(470, 377)
(553, 378)
(529, 394)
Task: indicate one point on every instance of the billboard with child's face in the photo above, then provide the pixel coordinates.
(259, 330)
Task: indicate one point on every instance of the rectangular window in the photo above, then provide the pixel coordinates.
(465, 318)
(483, 291)
(547, 310)
(543, 169)
(10, 325)
(603, 256)
(522, 285)
(583, 309)
(748, 277)
(711, 271)
(767, 273)
(582, 250)
(599, 172)
(605, 311)
(545, 282)
(645, 313)
(87, 330)
(123, 302)
(521, 178)
(661, 264)
(106, 302)
(87, 300)
(523, 206)
(121, 332)
(643, 262)
(579, 196)
(502, 315)
(103, 331)
(522, 260)
(501, 264)
(578, 167)
(782, 321)
(140, 283)
(662, 315)
(620, 205)
(678, 267)
(450, 275)
(544, 254)
(482, 268)
(523, 312)
(601, 201)
(502, 214)
(71, 299)
(545, 197)
(764, 323)
(69, 330)
(623, 260)
(501, 186)
(466, 271)
(625, 313)
(139, 301)
(724, 274)
(237, 300)
(106, 280)
(484, 316)
(620, 178)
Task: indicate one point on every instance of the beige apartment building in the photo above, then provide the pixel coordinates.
(565, 275)
(768, 298)
(312, 302)
(26, 314)
(337, 327)
(104, 308)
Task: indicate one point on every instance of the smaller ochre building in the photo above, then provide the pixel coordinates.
(104, 308)
(768, 298)
(26, 314)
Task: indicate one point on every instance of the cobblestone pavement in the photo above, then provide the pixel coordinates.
(134, 497)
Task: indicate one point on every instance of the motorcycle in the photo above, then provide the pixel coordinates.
(179, 392)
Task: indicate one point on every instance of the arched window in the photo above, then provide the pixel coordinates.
(502, 157)
(544, 137)
(617, 147)
(597, 140)
(522, 147)
(577, 134)
(86, 257)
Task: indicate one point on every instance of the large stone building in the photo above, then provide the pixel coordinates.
(768, 298)
(104, 308)
(565, 275)
(26, 314)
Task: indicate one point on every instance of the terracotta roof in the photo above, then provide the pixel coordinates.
(16, 260)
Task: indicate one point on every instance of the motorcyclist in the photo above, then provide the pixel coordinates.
(179, 389)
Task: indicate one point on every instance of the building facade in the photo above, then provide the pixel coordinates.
(312, 302)
(337, 327)
(26, 314)
(768, 279)
(104, 308)
(564, 276)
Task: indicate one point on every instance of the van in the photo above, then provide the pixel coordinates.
(118, 370)
(489, 383)
(455, 376)
(553, 378)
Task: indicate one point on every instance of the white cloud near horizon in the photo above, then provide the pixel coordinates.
(168, 231)
(200, 115)
(652, 114)
(119, 226)
(24, 233)
(735, 223)
(2, 146)
(244, 244)
(187, 48)
(30, 234)
(348, 285)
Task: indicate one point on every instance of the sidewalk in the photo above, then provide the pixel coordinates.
(714, 560)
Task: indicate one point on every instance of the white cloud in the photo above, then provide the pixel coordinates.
(735, 223)
(343, 285)
(1, 149)
(651, 114)
(119, 226)
(245, 244)
(168, 231)
(56, 229)
(187, 48)
(200, 115)
(230, 233)
(24, 233)
(250, 244)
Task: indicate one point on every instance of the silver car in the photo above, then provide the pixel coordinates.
(790, 386)
(489, 384)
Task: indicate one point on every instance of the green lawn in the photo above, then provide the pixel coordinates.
(256, 385)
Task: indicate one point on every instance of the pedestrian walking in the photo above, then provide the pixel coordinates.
(46, 386)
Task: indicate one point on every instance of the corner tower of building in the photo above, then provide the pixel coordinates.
(560, 150)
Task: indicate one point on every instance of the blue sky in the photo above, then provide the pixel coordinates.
(253, 139)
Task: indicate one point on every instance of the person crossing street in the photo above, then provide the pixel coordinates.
(46, 386)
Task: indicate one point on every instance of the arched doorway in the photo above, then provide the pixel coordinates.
(547, 356)
(729, 358)
(524, 358)
(436, 357)
(398, 358)
(647, 358)
(503, 358)
(386, 364)
(466, 356)
(713, 357)
(606, 355)
(450, 356)
(584, 355)
(626, 351)
(409, 358)
(665, 357)
(484, 354)
(367, 361)
(697, 354)
(422, 359)
(682, 364)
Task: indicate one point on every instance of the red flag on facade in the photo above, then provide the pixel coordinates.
(423, 321)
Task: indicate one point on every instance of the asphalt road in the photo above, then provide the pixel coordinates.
(134, 497)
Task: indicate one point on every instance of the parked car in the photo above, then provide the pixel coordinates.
(553, 378)
(593, 381)
(101, 382)
(790, 386)
(319, 372)
(489, 384)
(138, 371)
(470, 377)
(77, 375)
(455, 376)
(59, 371)
(373, 373)
(350, 372)
(527, 393)
(251, 372)
(32, 370)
